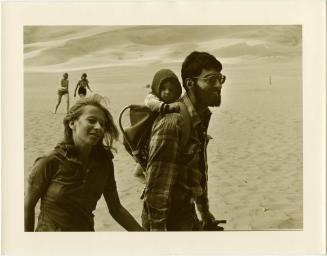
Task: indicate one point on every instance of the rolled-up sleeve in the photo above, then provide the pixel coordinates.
(153, 102)
(41, 174)
(162, 168)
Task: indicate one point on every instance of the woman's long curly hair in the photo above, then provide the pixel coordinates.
(110, 129)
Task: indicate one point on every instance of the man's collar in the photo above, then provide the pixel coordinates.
(194, 115)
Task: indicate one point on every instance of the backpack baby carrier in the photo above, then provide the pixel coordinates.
(136, 136)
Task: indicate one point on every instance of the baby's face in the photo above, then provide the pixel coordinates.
(168, 91)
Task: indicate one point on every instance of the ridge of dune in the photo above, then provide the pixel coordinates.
(79, 48)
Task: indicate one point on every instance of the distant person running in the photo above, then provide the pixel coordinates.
(82, 85)
(63, 90)
(165, 91)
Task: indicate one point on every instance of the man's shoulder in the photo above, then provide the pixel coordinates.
(176, 118)
(169, 120)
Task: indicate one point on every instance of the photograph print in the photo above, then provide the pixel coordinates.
(163, 128)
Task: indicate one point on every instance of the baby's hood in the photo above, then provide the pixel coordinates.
(162, 75)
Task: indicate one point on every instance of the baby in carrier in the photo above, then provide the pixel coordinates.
(165, 91)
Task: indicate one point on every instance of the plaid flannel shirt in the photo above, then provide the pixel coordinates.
(175, 173)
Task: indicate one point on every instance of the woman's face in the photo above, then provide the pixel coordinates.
(88, 129)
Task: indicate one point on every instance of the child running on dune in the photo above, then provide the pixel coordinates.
(82, 85)
(62, 91)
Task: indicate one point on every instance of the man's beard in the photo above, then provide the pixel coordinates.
(208, 98)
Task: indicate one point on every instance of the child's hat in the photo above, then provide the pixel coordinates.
(162, 75)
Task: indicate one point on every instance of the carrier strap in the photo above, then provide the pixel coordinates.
(187, 124)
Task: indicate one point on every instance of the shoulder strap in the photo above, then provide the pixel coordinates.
(187, 124)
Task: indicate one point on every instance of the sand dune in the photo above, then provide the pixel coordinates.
(86, 47)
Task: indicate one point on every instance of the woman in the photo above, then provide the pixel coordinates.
(82, 85)
(71, 179)
(63, 90)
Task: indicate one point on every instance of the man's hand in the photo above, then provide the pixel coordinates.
(207, 218)
(209, 222)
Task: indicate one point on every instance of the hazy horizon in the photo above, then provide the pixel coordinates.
(61, 48)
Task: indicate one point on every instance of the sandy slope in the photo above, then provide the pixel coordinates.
(60, 48)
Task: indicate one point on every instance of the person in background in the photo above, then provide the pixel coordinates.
(71, 178)
(176, 177)
(63, 90)
(82, 85)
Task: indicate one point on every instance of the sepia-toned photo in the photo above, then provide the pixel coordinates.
(231, 160)
(163, 128)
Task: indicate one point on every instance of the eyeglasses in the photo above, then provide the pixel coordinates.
(213, 79)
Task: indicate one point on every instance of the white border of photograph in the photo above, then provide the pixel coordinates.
(308, 13)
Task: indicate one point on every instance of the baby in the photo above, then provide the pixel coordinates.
(165, 91)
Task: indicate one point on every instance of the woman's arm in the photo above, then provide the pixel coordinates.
(30, 201)
(76, 89)
(88, 86)
(119, 213)
(37, 185)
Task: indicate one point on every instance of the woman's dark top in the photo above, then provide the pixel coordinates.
(69, 192)
(82, 90)
(82, 84)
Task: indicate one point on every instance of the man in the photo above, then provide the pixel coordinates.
(176, 175)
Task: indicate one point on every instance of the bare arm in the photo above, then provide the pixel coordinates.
(88, 86)
(30, 201)
(77, 85)
(119, 213)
